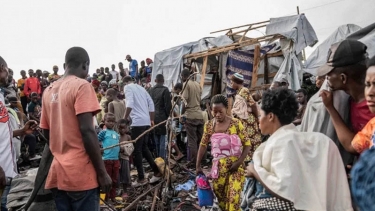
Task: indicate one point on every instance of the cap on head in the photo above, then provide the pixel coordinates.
(237, 78)
(344, 53)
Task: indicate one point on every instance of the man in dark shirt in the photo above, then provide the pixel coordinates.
(163, 105)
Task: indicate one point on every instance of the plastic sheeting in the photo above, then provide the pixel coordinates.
(296, 28)
(170, 62)
(367, 37)
(298, 34)
(319, 55)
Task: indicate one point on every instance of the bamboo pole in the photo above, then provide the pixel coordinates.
(203, 75)
(246, 30)
(255, 66)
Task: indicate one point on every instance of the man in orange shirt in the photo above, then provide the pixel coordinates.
(32, 84)
(21, 86)
(69, 106)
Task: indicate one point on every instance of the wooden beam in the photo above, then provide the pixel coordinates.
(270, 75)
(203, 75)
(265, 79)
(255, 66)
(236, 27)
(246, 30)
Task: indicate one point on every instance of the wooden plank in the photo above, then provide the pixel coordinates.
(246, 30)
(203, 75)
(255, 65)
(230, 105)
(270, 75)
(265, 81)
(236, 27)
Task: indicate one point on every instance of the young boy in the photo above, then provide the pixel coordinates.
(34, 109)
(115, 106)
(109, 137)
(126, 151)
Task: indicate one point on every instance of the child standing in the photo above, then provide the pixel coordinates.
(126, 151)
(115, 106)
(109, 137)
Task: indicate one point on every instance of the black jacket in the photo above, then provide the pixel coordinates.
(163, 105)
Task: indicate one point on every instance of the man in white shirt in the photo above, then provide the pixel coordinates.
(7, 164)
(114, 73)
(140, 108)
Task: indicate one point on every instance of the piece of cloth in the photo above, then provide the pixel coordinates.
(271, 203)
(21, 85)
(192, 99)
(194, 133)
(32, 85)
(365, 138)
(315, 162)
(228, 186)
(6, 149)
(248, 197)
(163, 105)
(77, 200)
(125, 172)
(222, 146)
(317, 119)
(141, 103)
(109, 138)
(112, 167)
(71, 169)
(360, 115)
(21, 189)
(133, 70)
(362, 183)
(119, 109)
(239, 62)
(141, 151)
(239, 108)
(160, 145)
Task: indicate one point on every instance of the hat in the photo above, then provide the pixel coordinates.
(238, 76)
(344, 53)
(282, 80)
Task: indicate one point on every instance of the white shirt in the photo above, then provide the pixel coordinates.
(6, 152)
(141, 103)
(114, 74)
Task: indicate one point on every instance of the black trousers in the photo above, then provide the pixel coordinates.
(141, 150)
(24, 104)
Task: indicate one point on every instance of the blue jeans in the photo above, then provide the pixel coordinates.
(160, 145)
(77, 200)
(4, 198)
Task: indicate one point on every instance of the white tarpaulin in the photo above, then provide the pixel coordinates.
(319, 56)
(170, 62)
(298, 34)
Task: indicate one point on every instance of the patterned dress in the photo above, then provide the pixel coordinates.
(228, 186)
(251, 123)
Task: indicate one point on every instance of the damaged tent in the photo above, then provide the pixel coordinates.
(276, 54)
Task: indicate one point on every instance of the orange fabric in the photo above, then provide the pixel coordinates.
(19, 85)
(71, 168)
(32, 85)
(363, 139)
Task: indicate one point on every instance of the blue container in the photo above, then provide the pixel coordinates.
(205, 197)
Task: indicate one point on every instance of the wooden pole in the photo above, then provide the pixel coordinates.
(266, 81)
(203, 75)
(236, 27)
(255, 65)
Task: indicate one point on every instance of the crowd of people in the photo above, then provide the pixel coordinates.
(267, 151)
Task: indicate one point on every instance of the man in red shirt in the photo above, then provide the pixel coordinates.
(32, 84)
(346, 70)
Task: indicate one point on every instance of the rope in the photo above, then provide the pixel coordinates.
(140, 136)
